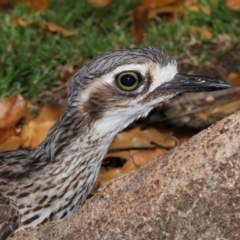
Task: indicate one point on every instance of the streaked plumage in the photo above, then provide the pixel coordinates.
(52, 181)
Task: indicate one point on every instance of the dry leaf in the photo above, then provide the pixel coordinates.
(99, 3)
(138, 138)
(140, 19)
(140, 158)
(119, 154)
(157, 3)
(156, 7)
(46, 26)
(48, 114)
(11, 143)
(162, 138)
(106, 175)
(204, 32)
(19, 22)
(35, 130)
(173, 8)
(195, 6)
(4, 3)
(233, 4)
(148, 10)
(34, 133)
(137, 160)
(36, 5)
(122, 140)
(53, 28)
(233, 79)
(12, 109)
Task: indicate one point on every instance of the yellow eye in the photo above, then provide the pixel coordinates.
(128, 81)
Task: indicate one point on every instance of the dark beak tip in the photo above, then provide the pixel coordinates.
(192, 83)
(224, 87)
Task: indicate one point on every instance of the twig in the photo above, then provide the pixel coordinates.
(200, 109)
(122, 149)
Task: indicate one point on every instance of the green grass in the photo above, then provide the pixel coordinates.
(170, 36)
(29, 56)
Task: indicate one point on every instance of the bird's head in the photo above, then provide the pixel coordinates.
(118, 87)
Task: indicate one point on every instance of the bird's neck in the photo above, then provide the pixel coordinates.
(75, 140)
(68, 162)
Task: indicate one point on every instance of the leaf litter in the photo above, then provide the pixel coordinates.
(12, 110)
(45, 26)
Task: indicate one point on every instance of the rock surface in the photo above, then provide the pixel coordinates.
(192, 192)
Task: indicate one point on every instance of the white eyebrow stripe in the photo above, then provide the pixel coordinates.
(162, 74)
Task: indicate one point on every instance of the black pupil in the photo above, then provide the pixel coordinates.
(128, 80)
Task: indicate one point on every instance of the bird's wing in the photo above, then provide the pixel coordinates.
(14, 165)
(9, 217)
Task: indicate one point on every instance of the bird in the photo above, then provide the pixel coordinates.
(106, 95)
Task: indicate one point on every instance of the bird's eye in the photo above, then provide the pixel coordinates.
(128, 81)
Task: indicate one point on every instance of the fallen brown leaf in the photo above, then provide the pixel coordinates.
(11, 143)
(53, 28)
(12, 109)
(19, 22)
(148, 10)
(233, 4)
(139, 22)
(106, 175)
(4, 3)
(34, 133)
(140, 158)
(204, 32)
(36, 5)
(195, 6)
(46, 26)
(135, 161)
(172, 7)
(152, 8)
(49, 114)
(233, 79)
(138, 138)
(99, 3)
(162, 138)
(156, 7)
(35, 130)
(157, 3)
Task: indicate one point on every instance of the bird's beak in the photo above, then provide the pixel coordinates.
(190, 83)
